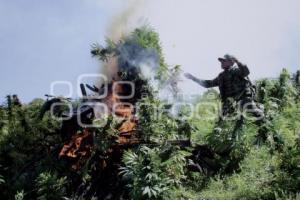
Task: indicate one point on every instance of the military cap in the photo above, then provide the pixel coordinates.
(226, 57)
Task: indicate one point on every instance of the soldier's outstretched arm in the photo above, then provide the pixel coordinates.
(203, 83)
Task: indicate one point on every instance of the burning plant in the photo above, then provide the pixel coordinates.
(133, 121)
(124, 62)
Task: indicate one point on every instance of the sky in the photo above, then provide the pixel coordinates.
(46, 41)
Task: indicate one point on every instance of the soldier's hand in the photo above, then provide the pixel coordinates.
(189, 76)
(234, 59)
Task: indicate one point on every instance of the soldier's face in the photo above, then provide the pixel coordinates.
(226, 64)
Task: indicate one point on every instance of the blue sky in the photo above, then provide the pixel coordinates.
(46, 41)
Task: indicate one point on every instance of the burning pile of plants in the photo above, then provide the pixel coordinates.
(132, 118)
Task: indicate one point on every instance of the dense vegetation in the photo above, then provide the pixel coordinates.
(29, 148)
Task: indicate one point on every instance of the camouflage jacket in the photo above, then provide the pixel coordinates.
(232, 82)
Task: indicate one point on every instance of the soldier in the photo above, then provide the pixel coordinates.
(236, 87)
(233, 84)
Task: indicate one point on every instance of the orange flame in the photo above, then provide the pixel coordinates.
(80, 146)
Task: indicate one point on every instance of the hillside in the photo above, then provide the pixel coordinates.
(147, 156)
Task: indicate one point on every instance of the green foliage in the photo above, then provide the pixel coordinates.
(285, 89)
(20, 195)
(157, 124)
(145, 37)
(232, 141)
(148, 38)
(150, 175)
(29, 147)
(50, 187)
(261, 176)
(254, 181)
(156, 169)
(107, 131)
(24, 143)
(261, 173)
(288, 178)
(277, 93)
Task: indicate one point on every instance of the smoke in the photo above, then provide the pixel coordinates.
(124, 22)
(121, 26)
(130, 55)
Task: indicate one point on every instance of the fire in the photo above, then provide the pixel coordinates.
(122, 110)
(80, 146)
(76, 147)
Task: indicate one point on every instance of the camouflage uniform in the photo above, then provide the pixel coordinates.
(234, 84)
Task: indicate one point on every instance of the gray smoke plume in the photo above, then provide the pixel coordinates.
(121, 25)
(132, 55)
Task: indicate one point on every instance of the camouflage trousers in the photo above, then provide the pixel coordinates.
(248, 106)
(244, 105)
(241, 108)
